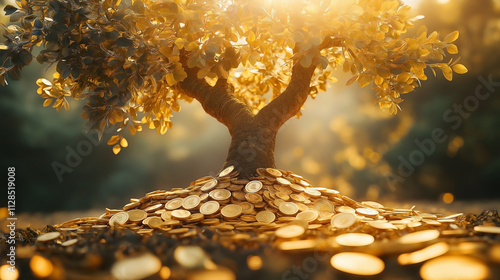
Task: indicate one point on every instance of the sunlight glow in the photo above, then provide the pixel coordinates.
(416, 3)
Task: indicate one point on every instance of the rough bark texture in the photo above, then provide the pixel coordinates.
(253, 137)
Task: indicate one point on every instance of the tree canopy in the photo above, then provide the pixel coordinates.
(129, 59)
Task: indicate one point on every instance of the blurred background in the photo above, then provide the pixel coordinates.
(342, 141)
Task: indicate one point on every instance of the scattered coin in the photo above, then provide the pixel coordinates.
(209, 208)
(357, 263)
(290, 231)
(354, 239)
(174, 203)
(209, 185)
(226, 171)
(455, 267)
(288, 208)
(231, 211)
(308, 216)
(69, 242)
(137, 215)
(265, 217)
(419, 236)
(137, 267)
(181, 214)
(48, 236)
(253, 186)
(369, 212)
(343, 220)
(425, 254)
(191, 202)
(274, 172)
(118, 219)
(487, 229)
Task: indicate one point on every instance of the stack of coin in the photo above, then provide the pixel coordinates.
(271, 206)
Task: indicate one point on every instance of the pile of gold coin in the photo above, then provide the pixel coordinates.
(275, 204)
(285, 209)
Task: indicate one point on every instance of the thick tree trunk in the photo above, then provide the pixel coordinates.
(253, 137)
(252, 146)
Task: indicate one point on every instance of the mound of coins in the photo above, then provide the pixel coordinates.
(275, 206)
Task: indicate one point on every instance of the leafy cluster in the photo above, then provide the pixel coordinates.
(126, 58)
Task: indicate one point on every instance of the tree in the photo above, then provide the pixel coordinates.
(251, 64)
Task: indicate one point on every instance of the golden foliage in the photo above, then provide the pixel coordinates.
(124, 57)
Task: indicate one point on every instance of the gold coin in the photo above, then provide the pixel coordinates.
(180, 214)
(324, 205)
(283, 196)
(231, 211)
(137, 267)
(265, 217)
(345, 209)
(191, 202)
(253, 198)
(209, 208)
(308, 216)
(48, 236)
(167, 215)
(239, 195)
(381, 225)
(297, 245)
(153, 208)
(209, 185)
(369, 212)
(357, 263)
(137, 215)
(196, 217)
(155, 222)
(312, 192)
(248, 218)
(203, 197)
(288, 208)
(297, 188)
(354, 239)
(174, 203)
(226, 171)
(69, 242)
(253, 186)
(343, 220)
(178, 230)
(274, 172)
(487, 229)
(290, 231)
(373, 204)
(419, 236)
(455, 267)
(131, 205)
(283, 181)
(220, 194)
(297, 197)
(246, 207)
(118, 219)
(425, 254)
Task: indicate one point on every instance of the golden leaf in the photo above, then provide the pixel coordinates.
(452, 49)
(452, 37)
(116, 149)
(460, 69)
(47, 102)
(124, 143)
(250, 37)
(114, 139)
(447, 72)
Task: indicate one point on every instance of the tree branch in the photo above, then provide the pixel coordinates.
(289, 103)
(218, 101)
